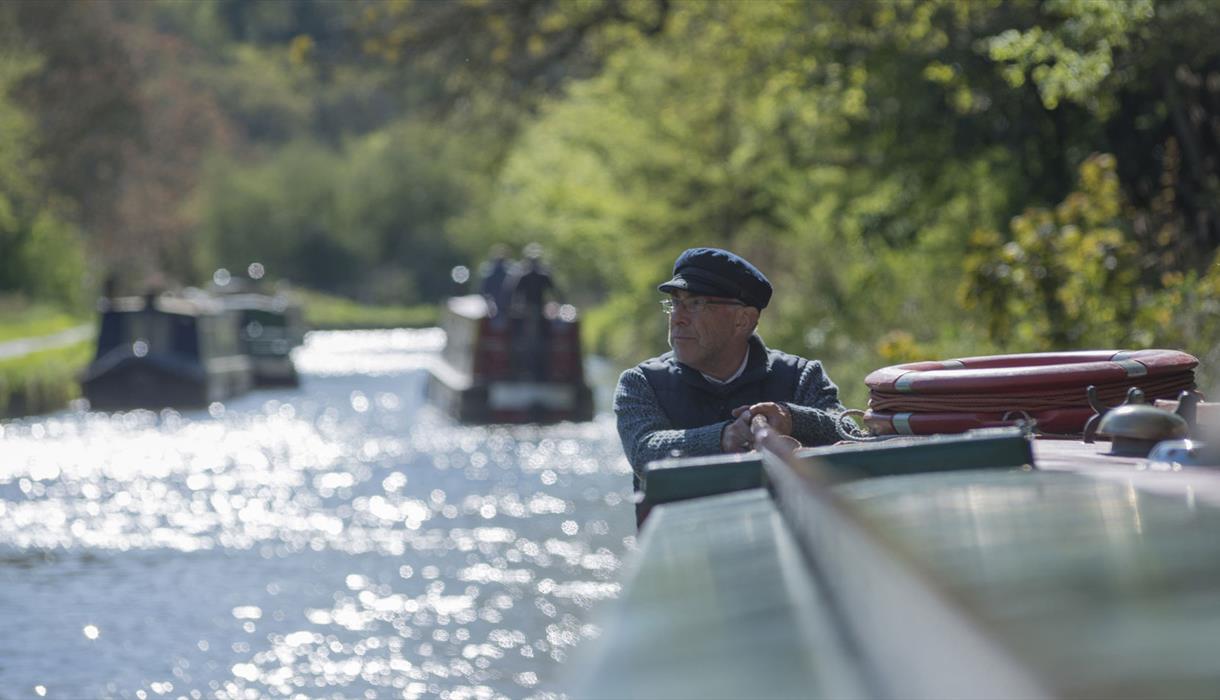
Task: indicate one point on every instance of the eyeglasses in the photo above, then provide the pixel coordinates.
(694, 305)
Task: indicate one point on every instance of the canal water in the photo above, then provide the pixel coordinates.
(339, 540)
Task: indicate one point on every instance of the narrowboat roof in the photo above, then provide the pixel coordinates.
(276, 303)
(472, 306)
(192, 305)
(954, 566)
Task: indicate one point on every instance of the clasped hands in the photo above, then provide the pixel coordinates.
(738, 436)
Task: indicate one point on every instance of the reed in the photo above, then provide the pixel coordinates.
(42, 381)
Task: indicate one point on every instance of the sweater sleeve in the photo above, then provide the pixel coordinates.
(815, 407)
(647, 433)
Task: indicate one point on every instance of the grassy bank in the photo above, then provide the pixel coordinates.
(327, 312)
(45, 380)
(22, 319)
(42, 381)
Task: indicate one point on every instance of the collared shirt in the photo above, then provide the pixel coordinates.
(742, 368)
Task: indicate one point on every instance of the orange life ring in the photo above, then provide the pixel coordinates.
(957, 395)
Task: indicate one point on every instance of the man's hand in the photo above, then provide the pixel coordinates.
(777, 414)
(736, 436)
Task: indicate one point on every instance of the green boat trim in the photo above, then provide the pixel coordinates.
(670, 480)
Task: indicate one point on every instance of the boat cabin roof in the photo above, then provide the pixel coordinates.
(472, 306)
(195, 305)
(275, 303)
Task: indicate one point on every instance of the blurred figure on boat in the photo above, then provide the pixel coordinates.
(110, 286)
(155, 285)
(493, 280)
(529, 288)
(699, 398)
(531, 284)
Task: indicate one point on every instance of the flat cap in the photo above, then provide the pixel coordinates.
(719, 273)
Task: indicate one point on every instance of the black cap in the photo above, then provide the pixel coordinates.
(719, 273)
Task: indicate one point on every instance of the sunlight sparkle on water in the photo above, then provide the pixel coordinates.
(343, 539)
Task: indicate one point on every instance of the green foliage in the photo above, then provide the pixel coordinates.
(1071, 55)
(700, 140)
(919, 178)
(367, 220)
(867, 156)
(21, 319)
(1184, 313)
(329, 312)
(42, 381)
(398, 190)
(280, 213)
(83, 99)
(41, 254)
(265, 91)
(1063, 278)
(511, 49)
(50, 262)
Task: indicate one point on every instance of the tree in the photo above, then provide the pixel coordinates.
(84, 94)
(41, 254)
(1158, 100)
(367, 220)
(854, 149)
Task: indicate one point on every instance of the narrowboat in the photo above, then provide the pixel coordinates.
(500, 368)
(159, 351)
(993, 563)
(269, 327)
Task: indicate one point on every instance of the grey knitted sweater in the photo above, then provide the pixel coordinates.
(647, 433)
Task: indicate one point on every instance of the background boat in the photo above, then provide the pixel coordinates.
(159, 350)
(501, 369)
(269, 327)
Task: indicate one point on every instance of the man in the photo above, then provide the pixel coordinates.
(699, 398)
(530, 287)
(493, 278)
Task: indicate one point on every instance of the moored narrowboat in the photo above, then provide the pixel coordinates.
(159, 351)
(510, 369)
(269, 327)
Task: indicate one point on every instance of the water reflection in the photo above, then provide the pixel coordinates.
(341, 540)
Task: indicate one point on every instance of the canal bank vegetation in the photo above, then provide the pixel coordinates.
(42, 381)
(22, 319)
(922, 179)
(330, 312)
(45, 379)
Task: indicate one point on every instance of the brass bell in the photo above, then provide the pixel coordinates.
(1134, 429)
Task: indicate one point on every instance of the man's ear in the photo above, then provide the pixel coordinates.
(748, 320)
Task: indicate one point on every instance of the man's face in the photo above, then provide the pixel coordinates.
(701, 339)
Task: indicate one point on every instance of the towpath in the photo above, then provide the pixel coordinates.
(16, 348)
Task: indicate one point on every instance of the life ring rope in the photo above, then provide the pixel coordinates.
(1166, 387)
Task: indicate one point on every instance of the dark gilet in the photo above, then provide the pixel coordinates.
(690, 401)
